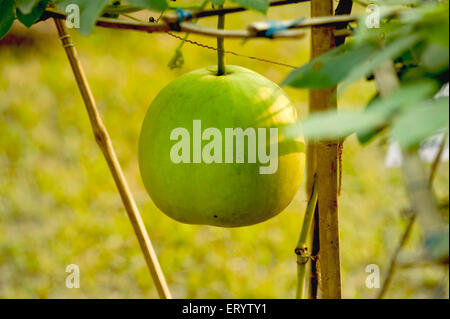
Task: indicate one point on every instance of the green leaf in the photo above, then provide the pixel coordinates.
(258, 5)
(414, 126)
(367, 136)
(6, 16)
(26, 5)
(89, 12)
(29, 19)
(435, 58)
(330, 68)
(389, 52)
(158, 5)
(346, 63)
(333, 124)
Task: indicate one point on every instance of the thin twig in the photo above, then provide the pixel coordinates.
(104, 142)
(394, 257)
(437, 160)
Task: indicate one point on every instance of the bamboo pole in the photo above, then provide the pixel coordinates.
(323, 159)
(104, 142)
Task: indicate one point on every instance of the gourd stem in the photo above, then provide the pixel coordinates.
(220, 45)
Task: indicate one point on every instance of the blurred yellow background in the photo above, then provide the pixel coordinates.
(59, 205)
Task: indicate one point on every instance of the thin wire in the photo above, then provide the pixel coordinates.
(230, 52)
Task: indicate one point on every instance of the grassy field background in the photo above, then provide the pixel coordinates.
(59, 205)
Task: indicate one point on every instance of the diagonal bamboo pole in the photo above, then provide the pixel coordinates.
(104, 142)
(323, 160)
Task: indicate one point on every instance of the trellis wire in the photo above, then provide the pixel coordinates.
(229, 52)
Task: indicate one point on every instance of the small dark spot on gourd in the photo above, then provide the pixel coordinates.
(215, 216)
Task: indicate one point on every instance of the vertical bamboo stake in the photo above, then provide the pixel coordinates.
(104, 142)
(326, 154)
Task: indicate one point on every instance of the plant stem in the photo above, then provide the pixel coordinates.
(394, 257)
(302, 245)
(104, 142)
(220, 45)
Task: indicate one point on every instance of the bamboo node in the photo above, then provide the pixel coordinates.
(66, 41)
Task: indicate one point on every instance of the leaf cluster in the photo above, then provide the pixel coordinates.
(417, 40)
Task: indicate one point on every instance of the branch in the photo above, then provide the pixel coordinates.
(104, 142)
(394, 257)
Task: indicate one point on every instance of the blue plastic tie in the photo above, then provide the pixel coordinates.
(182, 15)
(276, 26)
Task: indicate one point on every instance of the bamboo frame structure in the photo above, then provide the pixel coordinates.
(254, 30)
(104, 142)
(322, 160)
